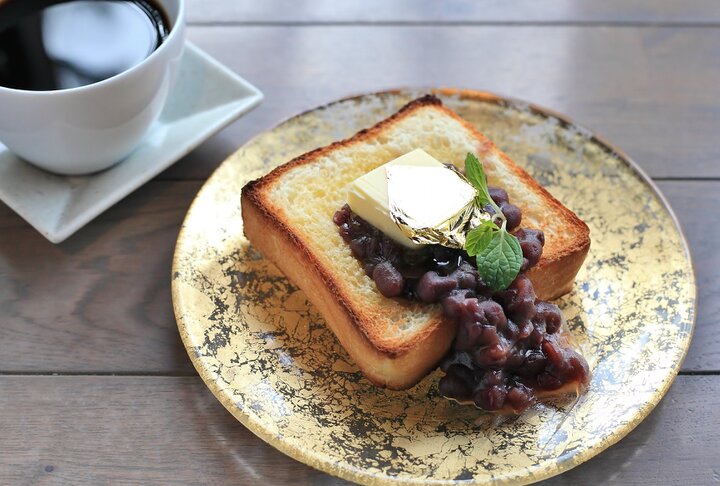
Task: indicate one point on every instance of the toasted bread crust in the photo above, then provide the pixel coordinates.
(393, 364)
(362, 135)
(385, 367)
(554, 275)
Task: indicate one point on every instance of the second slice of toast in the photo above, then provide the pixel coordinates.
(288, 217)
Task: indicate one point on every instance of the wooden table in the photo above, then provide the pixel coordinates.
(95, 387)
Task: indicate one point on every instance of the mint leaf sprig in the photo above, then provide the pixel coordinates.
(497, 253)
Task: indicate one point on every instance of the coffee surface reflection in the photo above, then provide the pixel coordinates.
(51, 45)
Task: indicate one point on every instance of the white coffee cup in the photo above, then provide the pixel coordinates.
(90, 128)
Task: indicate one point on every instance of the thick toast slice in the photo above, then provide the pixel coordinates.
(288, 217)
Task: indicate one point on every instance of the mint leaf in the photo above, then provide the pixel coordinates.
(478, 238)
(499, 263)
(497, 252)
(476, 175)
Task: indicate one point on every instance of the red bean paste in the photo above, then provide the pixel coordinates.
(507, 349)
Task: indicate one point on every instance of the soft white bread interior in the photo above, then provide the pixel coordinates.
(288, 217)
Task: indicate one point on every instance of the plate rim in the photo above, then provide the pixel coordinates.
(360, 475)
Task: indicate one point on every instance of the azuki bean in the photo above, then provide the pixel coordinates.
(499, 195)
(389, 281)
(492, 398)
(505, 347)
(512, 215)
(432, 287)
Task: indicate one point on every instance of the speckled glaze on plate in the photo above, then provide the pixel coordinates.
(267, 356)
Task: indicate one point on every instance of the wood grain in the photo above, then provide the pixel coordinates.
(644, 73)
(696, 205)
(101, 301)
(653, 91)
(165, 430)
(454, 11)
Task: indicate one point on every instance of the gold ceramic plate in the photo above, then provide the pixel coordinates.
(267, 356)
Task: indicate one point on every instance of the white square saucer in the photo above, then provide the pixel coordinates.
(207, 96)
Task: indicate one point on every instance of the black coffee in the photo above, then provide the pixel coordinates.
(60, 44)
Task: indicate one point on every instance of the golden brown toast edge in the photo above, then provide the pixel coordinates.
(555, 273)
(400, 366)
(390, 368)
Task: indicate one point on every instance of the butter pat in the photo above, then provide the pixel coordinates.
(416, 200)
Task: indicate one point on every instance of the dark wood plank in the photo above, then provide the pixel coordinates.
(101, 301)
(130, 430)
(163, 430)
(696, 205)
(549, 11)
(653, 91)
